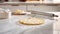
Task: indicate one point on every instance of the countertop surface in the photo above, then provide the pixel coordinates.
(56, 24)
(11, 26)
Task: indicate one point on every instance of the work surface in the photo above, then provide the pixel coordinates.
(11, 25)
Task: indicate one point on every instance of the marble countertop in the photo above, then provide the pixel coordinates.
(11, 25)
(56, 25)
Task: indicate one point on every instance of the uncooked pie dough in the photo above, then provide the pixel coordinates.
(32, 21)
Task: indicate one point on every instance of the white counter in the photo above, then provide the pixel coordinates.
(56, 24)
(11, 26)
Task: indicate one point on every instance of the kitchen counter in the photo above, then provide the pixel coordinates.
(11, 25)
(56, 24)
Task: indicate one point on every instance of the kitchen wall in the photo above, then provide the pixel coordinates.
(43, 8)
(56, 1)
(15, 0)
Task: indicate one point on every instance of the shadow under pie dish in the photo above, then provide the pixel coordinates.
(32, 21)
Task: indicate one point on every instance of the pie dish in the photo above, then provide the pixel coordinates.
(18, 12)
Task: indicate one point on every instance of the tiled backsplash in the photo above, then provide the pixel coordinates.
(43, 8)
